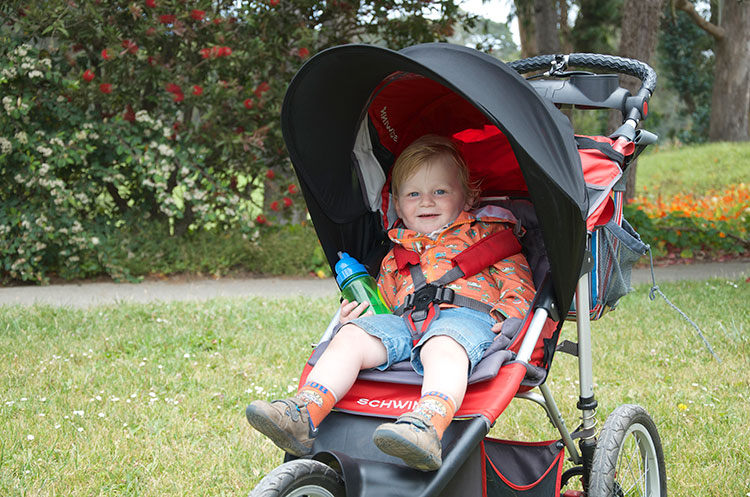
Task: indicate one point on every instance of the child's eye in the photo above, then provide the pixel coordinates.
(440, 192)
(412, 194)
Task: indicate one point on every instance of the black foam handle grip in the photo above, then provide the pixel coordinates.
(623, 65)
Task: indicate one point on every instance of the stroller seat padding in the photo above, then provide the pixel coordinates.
(402, 372)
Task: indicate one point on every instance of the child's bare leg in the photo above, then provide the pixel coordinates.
(446, 368)
(350, 351)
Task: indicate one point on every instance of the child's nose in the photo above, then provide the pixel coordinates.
(427, 200)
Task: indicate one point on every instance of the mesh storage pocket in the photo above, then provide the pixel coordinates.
(519, 469)
(618, 248)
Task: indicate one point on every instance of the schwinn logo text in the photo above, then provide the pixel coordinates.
(388, 404)
(387, 124)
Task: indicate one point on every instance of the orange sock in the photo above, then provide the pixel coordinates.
(439, 408)
(320, 400)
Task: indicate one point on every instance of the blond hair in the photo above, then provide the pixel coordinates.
(424, 149)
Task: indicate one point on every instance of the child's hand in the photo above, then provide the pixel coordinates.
(497, 327)
(352, 310)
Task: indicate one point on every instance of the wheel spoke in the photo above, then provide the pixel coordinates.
(632, 468)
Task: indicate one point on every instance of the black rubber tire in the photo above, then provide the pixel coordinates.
(629, 459)
(301, 478)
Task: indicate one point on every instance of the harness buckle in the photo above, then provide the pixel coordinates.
(420, 305)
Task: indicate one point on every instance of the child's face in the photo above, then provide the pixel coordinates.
(432, 197)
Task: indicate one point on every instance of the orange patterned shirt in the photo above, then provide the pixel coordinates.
(507, 285)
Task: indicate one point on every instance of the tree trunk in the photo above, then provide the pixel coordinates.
(566, 44)
(730, 97)
(640, 27)
(526, 27)
(547, 35)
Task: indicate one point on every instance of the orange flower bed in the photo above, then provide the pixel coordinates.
(718, 220)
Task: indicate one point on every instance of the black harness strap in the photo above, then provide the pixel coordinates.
(419, 307)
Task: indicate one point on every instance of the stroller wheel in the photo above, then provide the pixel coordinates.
(628, 460)
(301, 478)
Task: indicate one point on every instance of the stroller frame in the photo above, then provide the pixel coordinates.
(343, 463)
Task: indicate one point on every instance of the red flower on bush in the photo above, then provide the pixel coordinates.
(88, 75)
(197, 90)
(129, 114)
(197, 15)
(129, 46)
(248, 103)
(273, 3)
(292, 189)
(105, 55)
(151, 3)
(270, 174)
(167, 18)
(262, 88)
(303, 53)
(176, 91)
(274, 206)
(287, 202)
(261, 219)
(105, 88)
(151, 60)
(215, 51)
(151, 31)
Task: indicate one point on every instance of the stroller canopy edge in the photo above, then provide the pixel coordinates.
(328, 99)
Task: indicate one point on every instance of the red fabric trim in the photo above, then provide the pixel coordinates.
(558, 461)
(487, 398)
(487, 252)
(624, 146)
(431, 313)
(483, 456)
(404, 257)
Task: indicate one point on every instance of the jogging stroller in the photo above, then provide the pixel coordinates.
(347, 114)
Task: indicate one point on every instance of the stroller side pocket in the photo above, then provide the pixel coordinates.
(518, 469)
(615, 247)
(619, 248)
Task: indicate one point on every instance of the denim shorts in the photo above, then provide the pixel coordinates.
(471, 329)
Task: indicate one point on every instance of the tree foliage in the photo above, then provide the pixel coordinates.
(127, 112)
(687, 59)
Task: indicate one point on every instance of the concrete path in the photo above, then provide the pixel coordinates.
(92, 294)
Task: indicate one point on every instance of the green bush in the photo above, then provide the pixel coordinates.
(275, 250)
(159, 113)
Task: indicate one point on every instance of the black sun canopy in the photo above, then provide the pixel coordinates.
(351, 109)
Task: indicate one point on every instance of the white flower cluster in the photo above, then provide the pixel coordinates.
(5, 146)
(22, 63)
(45, 151)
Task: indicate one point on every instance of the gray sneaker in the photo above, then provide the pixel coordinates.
(285, 422)
(413, 439)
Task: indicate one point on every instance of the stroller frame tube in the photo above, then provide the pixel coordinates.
(585, 365)
(532, 335)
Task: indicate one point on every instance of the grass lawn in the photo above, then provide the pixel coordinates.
(695, 169)
(148, 400)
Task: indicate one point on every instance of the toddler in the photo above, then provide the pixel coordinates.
(433, 197)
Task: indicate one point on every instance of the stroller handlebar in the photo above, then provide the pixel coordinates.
(623, 65)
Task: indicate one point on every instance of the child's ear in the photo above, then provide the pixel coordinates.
(471, 200)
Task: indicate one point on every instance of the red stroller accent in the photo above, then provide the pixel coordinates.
(347, 114)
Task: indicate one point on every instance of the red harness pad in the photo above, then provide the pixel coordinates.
(488, 251)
